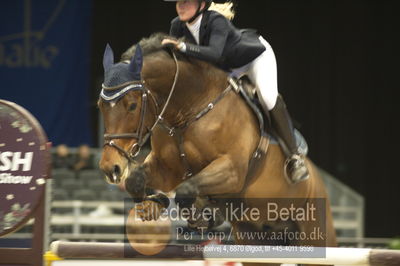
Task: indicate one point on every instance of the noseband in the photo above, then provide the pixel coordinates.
(139, 136)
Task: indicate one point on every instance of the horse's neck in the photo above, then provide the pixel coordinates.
(194, 93)
(194, 90)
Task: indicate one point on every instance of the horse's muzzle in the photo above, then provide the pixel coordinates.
(113, 175)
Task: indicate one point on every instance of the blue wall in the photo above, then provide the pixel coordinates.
(45, 64)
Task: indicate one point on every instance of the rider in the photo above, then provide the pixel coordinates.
(210, 36)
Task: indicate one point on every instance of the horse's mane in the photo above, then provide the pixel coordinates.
(152, 45)
(149, 45)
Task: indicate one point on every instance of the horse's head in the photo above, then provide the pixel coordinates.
(123, 103)
(131, 113)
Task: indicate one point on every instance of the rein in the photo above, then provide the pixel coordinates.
(176, 132)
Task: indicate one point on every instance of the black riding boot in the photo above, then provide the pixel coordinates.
(295, 167)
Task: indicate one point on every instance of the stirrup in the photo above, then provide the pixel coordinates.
(295, 169)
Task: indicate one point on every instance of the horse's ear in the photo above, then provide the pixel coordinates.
(108, 58)
(137, 63)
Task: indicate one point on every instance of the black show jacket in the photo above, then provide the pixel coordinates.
(220, 42)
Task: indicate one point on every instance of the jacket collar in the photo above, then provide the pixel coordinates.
(188, 34)
(203, 28)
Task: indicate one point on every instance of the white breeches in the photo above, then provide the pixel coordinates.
(263, 74)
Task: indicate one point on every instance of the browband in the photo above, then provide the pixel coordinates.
(109, 94)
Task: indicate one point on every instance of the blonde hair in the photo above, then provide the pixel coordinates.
(225, 9)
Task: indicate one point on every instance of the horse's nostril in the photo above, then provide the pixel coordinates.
(117, 170)
(116, 174)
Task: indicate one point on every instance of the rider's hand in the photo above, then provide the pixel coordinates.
(167, 42)
(172, 44)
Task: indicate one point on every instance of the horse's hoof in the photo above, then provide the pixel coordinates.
(149, 210)
(205, 220)
(159, 198)
(186, 195)
(199, 225)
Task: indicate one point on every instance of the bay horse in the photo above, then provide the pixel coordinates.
(203, 136)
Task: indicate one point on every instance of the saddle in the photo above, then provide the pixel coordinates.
(248, 92)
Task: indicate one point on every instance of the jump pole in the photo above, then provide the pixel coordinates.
(341, 256)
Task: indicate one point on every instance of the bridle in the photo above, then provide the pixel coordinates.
(139, 136)
(134, 150)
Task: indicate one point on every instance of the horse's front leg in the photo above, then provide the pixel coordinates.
(151, 174)
(222, 176)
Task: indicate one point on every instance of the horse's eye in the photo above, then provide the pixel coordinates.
(132, 107)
